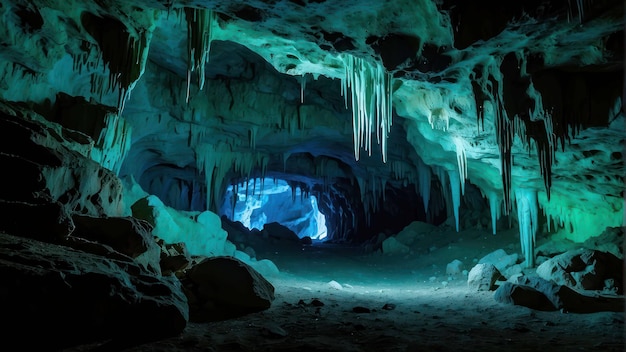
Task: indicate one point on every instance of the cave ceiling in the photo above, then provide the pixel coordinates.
(513, 97)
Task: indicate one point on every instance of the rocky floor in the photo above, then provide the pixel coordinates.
(337, 298)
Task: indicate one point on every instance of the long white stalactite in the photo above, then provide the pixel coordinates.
(461, 159)
(369, 87)
(455, 189)
(527, 216)
(199, 38)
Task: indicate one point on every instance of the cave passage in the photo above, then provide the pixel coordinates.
(261, 201)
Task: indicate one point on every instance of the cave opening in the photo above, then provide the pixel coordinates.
(260, 201)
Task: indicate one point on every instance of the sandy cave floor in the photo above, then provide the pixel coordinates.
(428, 314)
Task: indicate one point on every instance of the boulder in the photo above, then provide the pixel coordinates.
(280, 232)
(483, 277)
(414, 231)
(392, 246)
(69, 298)
(585, 269)
(537, 293)
(174, 257)
(220, 288)
(510, 293)
(500, 259)
(455, 267)
(41, 219)
(127, 235)
(54, 162)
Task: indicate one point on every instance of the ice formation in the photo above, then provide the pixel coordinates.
(525, 114)
(369, 89)
(199, 37)
(527, 216)
(113, 144)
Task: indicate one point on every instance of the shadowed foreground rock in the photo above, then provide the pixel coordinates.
(222, 288)
(63, 297)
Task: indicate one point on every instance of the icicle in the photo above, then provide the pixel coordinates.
(302, 87)
(461, 160)
(253, 132)
(113, 143)
(235, 196)
(199, 38)
(371, 95)
(124, 54)
(247, 188)
(494, 207)
(424, 177)
(262, 186)
(286, 156)
(455, 188)
(527, 211)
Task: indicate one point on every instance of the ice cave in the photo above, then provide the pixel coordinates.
(312, 175)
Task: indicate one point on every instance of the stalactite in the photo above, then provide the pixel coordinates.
(218, 160)
(371, 96)
(495, 210)
(234, 199)
(123, 53)
(480, 97)
(461, 159)
(113, 143)
(424, 178)
(455, 191)
(252, 133)
(302, 87)
(199, 37)
(504, 135)
(527, 216)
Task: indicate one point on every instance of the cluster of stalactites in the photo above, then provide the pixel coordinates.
(369, 86)
(124, 54)
(372, 192)
(218, 160)
(113, 143)
(499, 82)
(199, 37)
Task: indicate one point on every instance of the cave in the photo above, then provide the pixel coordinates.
(333, 175)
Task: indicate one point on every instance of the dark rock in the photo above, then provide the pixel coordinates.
(359, 309)
(389, 306)
(70, 297)
(221, 288)
(585, 269)
(317, 303)
(127, 235)
(273, 331)
(510, 293)
(537, 293)
(279, 232)
(47, 221)
(61, 161)
(546, 287)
